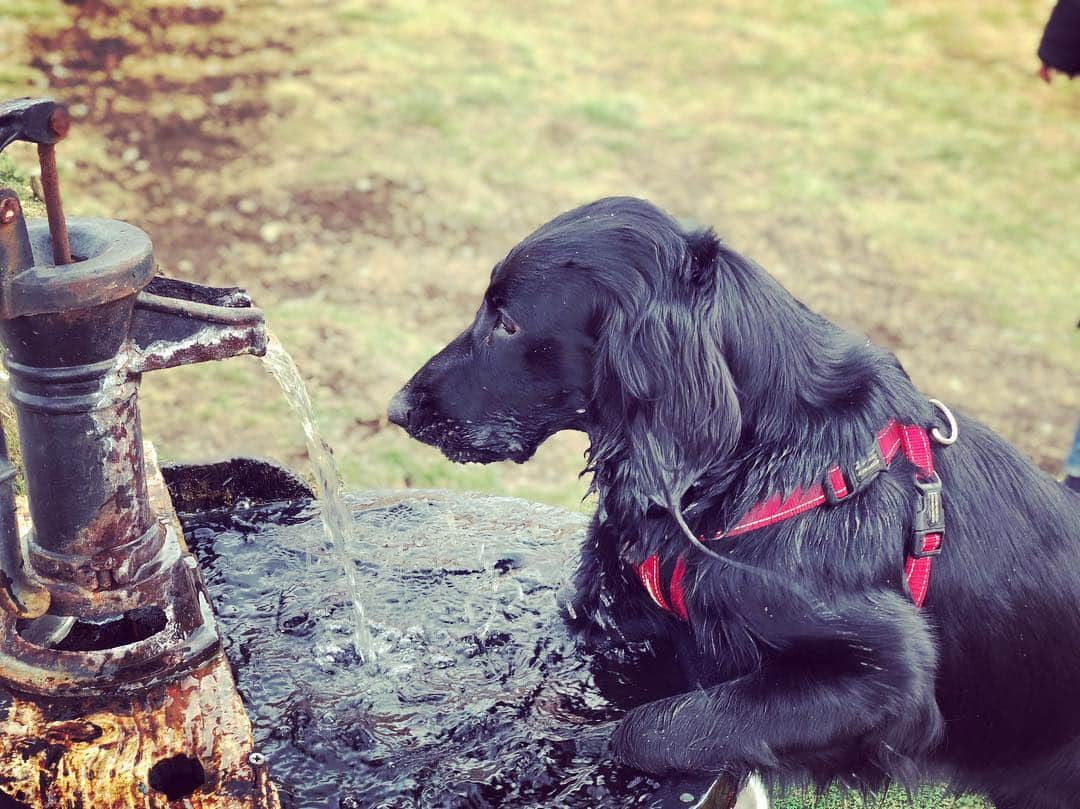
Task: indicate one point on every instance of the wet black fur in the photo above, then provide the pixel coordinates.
(704, 387)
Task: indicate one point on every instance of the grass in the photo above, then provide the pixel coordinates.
(18, 181)
(894, 799)
(913, 128)
(895, 164)
(916, 134)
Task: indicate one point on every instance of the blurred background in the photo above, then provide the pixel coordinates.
(360, 166)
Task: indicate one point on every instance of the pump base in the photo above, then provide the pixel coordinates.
(186, 738)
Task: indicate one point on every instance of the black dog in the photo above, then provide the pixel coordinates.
(707, 390)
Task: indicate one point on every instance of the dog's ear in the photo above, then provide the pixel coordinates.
(704, 247)
(664, 406)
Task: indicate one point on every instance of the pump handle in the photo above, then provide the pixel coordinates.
(44, 122)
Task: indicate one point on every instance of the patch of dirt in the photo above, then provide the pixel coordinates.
(181, 105)
(175, 97)
(377, 206)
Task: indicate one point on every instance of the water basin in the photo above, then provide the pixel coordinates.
(476, 697)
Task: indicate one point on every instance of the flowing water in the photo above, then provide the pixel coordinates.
(335, 514)
(481, 698)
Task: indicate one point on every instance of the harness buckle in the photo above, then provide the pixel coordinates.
(868, 468)
(929, 517)
(862, 474)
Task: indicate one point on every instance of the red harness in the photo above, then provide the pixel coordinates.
(928, 526)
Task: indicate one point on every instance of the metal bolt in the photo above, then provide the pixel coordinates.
(256, 759)
(60, 121)
(9, 209)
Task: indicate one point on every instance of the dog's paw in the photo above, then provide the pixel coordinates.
(753, 795)
(692, 732)
(654, 738)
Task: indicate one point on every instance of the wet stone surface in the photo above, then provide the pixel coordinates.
(477, 697)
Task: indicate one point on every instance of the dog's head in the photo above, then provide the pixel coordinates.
(602, 320)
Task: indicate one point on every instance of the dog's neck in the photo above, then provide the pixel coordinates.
(796, 370)
(810, 395)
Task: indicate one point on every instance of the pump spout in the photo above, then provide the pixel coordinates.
(180, 323)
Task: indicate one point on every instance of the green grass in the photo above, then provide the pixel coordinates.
(15, 178)
(916, 133)
(893, 799)
(30, 10)
(918, 129)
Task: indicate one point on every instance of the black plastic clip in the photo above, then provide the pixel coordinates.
(929, 517)
(862, 474)
(868, 468)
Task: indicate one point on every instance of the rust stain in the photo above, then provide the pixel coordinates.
(105, 756)
(9, 210)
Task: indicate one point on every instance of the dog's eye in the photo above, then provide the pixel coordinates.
(505, 324)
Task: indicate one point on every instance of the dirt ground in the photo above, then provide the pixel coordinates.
(247, 140)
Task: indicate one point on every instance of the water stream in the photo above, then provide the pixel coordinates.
(336, 517)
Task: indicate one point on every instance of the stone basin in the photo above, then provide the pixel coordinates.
(473, 693)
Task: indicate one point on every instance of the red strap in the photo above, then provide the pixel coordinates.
(649, 573)
(776, 509)
(890, 439)
(917, 570)
(916, 445)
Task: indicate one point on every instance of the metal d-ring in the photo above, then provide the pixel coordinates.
(954, 428)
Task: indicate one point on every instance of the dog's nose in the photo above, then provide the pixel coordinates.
(399, 409)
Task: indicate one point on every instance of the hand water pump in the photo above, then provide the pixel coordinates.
(99, 593)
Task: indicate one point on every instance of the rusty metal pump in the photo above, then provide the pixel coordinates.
(100, 594)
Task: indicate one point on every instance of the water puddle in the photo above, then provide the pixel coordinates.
(335, 515)
(481, 697)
